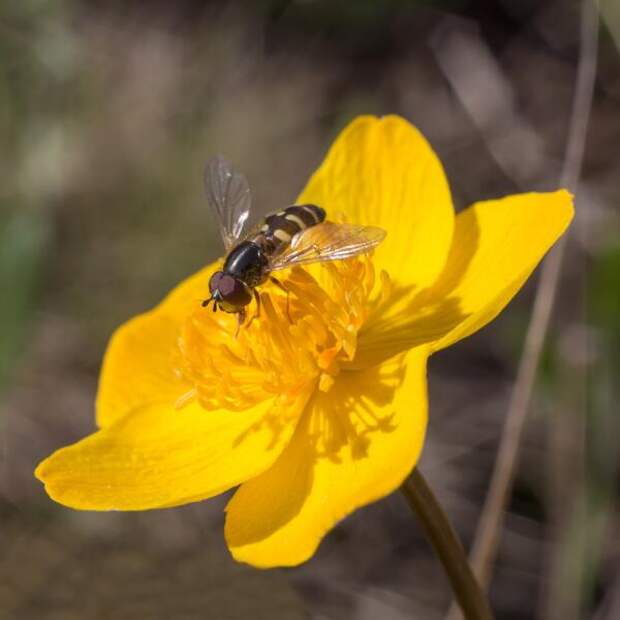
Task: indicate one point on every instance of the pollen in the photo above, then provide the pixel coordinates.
(301, 337)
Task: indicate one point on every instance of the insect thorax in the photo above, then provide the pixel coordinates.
(248, 262)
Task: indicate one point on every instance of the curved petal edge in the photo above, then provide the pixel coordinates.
(356, 444)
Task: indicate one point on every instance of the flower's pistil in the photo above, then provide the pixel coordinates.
(280, 352)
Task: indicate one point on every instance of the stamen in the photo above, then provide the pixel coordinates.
(273, 356)
(185, 399)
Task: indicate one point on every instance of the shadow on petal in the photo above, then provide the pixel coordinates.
(355, 444)
(407, 317)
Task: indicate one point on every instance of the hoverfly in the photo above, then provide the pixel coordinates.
(295, 235)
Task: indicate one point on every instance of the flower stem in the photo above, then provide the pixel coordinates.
(448, 547)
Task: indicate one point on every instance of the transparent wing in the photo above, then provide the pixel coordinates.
(328, 241)
(229, 196)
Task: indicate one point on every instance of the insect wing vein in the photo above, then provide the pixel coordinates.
(328, 242)
(229, 196)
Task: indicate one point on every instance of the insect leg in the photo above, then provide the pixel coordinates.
(240, 321)
(257, 315)
(288, 296)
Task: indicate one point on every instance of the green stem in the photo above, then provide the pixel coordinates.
(448, 547)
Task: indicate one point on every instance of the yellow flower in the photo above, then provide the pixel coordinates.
(319, 416)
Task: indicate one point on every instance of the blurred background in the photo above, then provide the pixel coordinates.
(108, 112)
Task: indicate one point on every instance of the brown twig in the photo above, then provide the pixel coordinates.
(484, 548)
(448, 547)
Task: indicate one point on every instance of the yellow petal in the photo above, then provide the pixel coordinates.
(160, 456)
(354, 445)
(382, 172)
(184, 297)
(141, 359)
(496, 246)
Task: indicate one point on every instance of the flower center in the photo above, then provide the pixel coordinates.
(299, 337)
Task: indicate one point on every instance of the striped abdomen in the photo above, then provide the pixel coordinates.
(279, 228)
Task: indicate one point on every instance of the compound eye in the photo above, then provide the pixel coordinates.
(233, 291)
(214, 282)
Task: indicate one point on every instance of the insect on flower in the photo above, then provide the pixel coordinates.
(295, 235)
(313, 418)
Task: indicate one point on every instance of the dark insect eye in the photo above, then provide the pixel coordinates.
(214, 282)
(234, 291)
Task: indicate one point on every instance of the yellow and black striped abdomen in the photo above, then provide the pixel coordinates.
(279, 228)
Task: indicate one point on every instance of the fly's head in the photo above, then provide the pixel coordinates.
(228, 293)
